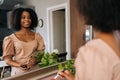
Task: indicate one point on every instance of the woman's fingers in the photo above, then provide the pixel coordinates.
(66, 74)
(25, 67)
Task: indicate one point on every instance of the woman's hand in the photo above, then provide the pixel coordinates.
(32, 62)
(28, 65)
(24, 67)
(66, 74)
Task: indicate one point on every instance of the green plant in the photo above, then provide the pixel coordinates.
(39, 55)
(69, 65)
(49, 59)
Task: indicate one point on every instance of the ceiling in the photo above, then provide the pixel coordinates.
(9, 4)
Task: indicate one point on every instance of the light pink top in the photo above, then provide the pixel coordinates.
(97, 61)
(21, 50)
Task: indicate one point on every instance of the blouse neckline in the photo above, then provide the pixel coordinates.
(24, 41)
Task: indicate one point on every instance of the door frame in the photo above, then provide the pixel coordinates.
(50, 27)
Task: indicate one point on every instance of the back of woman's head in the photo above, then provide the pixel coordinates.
(103, 15)
(16, 18)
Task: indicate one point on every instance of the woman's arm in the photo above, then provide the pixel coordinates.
(9, 61)
(13, 63)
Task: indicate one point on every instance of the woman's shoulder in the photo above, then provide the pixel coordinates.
(97, 46)
(9, 37)
(99, 50)
(38, 35)
(94, 42)
(91, 45)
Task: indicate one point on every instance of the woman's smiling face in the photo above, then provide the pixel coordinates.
(25, 19)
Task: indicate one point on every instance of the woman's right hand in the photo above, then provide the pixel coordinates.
(66, 74)
(24, 67)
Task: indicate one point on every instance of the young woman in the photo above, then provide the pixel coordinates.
(19, 47)
(99, 59)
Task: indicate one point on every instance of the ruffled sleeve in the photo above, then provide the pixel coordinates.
(8, 47)
(41, 45)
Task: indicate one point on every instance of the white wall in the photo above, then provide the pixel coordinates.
(41, 9)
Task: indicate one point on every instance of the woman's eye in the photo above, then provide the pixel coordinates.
(25, 18)
(22, 17)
